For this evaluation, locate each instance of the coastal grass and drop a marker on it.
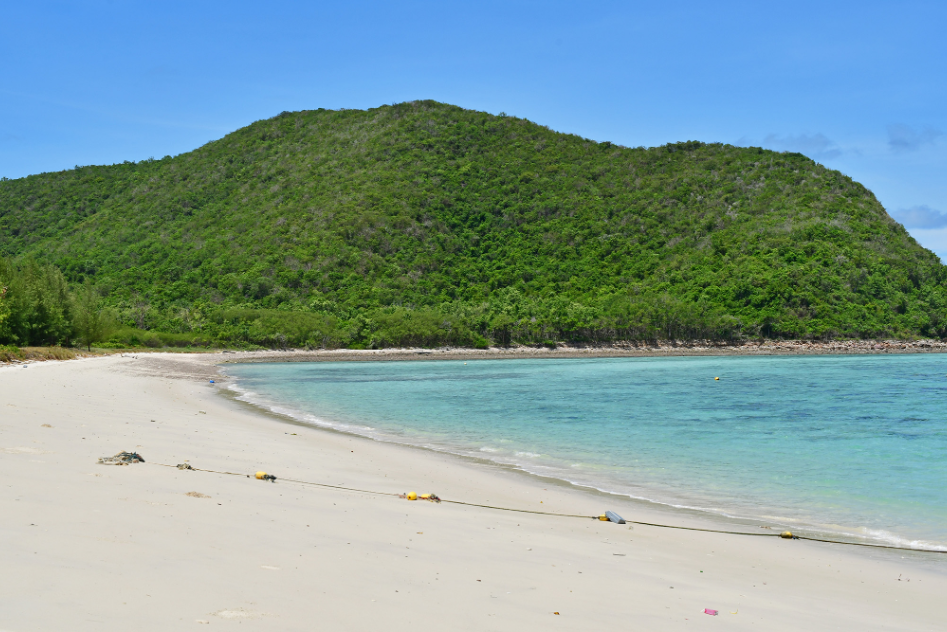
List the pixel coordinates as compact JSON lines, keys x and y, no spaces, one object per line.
{"x":10,"y":353}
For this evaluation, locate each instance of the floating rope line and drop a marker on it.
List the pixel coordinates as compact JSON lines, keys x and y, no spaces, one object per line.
{"x":671,"y":526}
{"x":784,"y":534}
{"x":529,"y":511}
{"x":348,"y":489}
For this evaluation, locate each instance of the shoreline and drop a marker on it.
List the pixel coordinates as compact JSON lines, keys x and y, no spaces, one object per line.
{"x":618,"y":350}
{"x":562,"y":350}
{"x":649,"y":498}
{"x":227,"y":550}
{"x":513,"y":469}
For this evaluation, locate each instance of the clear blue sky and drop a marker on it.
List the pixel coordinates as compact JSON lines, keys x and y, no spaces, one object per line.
{"x":858,"y":86}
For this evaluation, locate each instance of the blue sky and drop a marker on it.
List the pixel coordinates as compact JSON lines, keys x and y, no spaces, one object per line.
{"x":860,"y":87}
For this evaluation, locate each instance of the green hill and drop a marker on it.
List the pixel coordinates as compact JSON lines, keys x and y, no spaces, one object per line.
{"x":423,"y":223}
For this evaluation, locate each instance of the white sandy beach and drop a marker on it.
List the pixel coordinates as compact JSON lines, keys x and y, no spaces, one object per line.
{"x":96,"y":547}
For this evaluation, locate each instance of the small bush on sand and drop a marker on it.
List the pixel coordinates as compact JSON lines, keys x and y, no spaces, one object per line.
{"x":9,"y":352}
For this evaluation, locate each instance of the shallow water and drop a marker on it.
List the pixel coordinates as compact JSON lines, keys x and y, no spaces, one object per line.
{"x":847,"y":444}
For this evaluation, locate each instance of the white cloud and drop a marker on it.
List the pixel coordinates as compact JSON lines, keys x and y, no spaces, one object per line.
{"x":817,"y":146}
{"x":902,"y":138}
{"x":921,"y":216}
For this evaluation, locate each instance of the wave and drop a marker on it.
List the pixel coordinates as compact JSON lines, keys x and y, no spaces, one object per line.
{"x":541,"y":465}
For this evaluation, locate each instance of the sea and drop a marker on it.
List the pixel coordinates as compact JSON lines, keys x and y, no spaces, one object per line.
{"x":846,"y":446}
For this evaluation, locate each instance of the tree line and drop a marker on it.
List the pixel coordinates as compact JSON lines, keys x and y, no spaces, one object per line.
{"x":39,"y":308}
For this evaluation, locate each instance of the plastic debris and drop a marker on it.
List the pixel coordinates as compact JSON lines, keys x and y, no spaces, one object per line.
{"x":712,"y":613}
{"x":416,"y":496}
{"x":185,"y":466}
{"x":122,"y":458}
{"x":431,"y":497}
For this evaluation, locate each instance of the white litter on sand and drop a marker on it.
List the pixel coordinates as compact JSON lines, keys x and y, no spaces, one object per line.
{"x":239,"y":613}
{"x":23,"y":451}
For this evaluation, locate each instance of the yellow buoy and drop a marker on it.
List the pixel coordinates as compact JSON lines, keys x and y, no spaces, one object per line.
{"x":260,"y":475}
{"x":716,"y":378}
{"x":603,"y":518}
{"x":412,"y":495}
{"x":425,"y":496}
{"x":786,"y":534}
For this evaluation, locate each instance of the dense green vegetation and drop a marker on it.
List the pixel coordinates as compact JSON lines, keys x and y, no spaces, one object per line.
{"x":423,"y":223}
{"x":35,"y":304}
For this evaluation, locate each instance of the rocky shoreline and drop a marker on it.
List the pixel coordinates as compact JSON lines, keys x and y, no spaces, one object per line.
{"x":626,"y":349}
{"x":609,"y":350}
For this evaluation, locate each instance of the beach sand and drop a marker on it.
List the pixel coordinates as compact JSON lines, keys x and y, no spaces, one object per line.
{"x":145,"y":547}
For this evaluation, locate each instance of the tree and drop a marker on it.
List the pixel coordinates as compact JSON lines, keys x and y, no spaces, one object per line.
{"x":4,"y":308}
{"x":35,"y":309}
{"x":92,"y":323}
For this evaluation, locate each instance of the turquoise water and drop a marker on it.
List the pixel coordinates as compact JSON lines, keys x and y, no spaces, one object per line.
{"x":850,"y":444}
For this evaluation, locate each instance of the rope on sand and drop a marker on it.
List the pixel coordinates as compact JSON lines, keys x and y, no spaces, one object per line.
{"x":783,"y":535}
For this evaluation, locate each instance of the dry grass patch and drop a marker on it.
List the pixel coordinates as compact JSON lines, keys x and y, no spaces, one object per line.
{"x":49,"y":353}
{"x":10,"y":353}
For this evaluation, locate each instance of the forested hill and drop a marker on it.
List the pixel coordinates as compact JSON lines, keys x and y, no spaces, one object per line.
{"x":433,"y":218}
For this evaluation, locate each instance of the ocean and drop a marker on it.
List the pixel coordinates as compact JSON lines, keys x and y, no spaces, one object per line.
{"x":838,"y":445}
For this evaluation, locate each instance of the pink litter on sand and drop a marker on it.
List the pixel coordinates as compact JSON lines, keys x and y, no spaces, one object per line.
{"x":712,"y":613}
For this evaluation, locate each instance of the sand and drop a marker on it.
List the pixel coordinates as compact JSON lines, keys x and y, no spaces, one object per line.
{"x":146,"y":547}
